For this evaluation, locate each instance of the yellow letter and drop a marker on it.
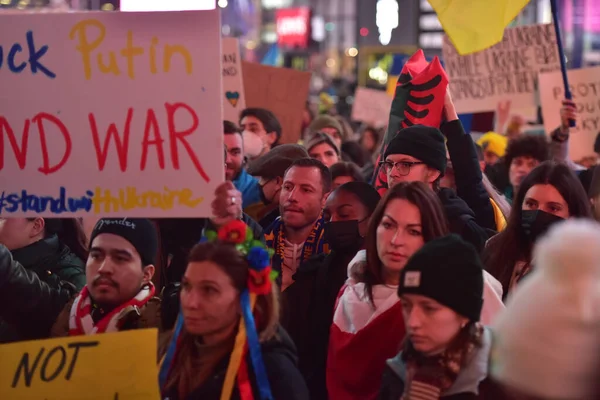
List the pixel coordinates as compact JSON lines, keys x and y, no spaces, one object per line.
{"x":129,"y":52}
{"x":153,"y":68}
{"x":112,"y":64}
{"x":107,"y":199}
{"x":170,"y":50}
{"x":84,"y":46}
{"x":185,"y":198}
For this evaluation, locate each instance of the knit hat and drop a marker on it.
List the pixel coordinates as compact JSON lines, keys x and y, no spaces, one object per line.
{"x":140,"y":232}
{"x":493,"y":142}
{"x":422,"y":142}
{"x":546,"y":343}
{"x":274,"y":163}
{"x":325,"y":121}
{"x":319,"y":138}
{"x":449,"y":271}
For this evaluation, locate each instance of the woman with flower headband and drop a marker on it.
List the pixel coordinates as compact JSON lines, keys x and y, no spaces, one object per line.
{"x":227,"y":343}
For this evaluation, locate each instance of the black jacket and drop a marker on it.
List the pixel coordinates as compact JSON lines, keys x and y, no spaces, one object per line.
{"x":307,"y":313}
{"x":279,"y":357}
{"x":29,"y":305}
{"x":469,"y":185}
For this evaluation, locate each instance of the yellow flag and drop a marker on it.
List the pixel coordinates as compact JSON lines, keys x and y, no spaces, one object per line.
{"x":110,"y":366}
{"x":475,"y":25}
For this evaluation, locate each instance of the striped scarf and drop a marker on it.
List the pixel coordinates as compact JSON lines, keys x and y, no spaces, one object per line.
{"x":81,"y":322}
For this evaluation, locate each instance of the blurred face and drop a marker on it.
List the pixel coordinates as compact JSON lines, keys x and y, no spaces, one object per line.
{"x":408,"y":169}
{"x":324,"y":153}
{"x":520,"y":167}
{"x":368,"y":141}
{"x":16,"y":233}
{"x":235,"y":155}
{"x":340,"y":180}
{"x":399,"y":236}
{"x":430,"y":325}
{"x":302,"y":197}
{"x":253,"y":125}
{"x":344,"y":206}
{"x":114,"y":270}
{"x":334,"y":134}
{"x":490,"y":158}
{"x":546,"y":198}
{"x":209,"y":301}
{"x":271,"y":189}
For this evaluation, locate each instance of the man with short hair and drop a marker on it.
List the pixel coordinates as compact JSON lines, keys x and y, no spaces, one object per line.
{"x":235,"y":169}
{"x":261,"y":131}
{"x":119,"y":294}
{"x":270,"y":170}
{"x":322,"y":147}
{"x":298,"y":233}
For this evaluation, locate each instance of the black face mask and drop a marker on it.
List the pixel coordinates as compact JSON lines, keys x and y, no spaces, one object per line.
{"x":536,"y":223}
{"x":343,"y":235}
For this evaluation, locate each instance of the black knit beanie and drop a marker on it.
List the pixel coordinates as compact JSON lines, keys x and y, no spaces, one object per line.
{"x":449,"y":271}
{"x":140,"y":232}
{"x":421,"y":142}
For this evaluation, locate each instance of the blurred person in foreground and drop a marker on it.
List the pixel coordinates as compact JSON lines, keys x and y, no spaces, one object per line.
{"x":546,"y":343}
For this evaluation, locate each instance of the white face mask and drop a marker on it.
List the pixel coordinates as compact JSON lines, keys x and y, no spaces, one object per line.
{"x":253,"y":144}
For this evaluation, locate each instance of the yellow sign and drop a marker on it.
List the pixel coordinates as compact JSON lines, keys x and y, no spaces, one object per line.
{"x":112,"y":366}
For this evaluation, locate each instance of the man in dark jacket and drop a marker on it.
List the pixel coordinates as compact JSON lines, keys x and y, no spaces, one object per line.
{"x":28,"y":304}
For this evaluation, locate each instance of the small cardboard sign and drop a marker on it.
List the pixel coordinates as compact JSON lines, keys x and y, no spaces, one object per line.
{"x":372,"y":107}
{"x":233,"y":87}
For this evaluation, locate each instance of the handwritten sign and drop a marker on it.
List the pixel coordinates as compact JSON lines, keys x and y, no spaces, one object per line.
{"x":585,"y":87}
{"x":506,"y":71}
{"x":233,"y":87}
{"x":371,"y":106}
{"x":110,"y":114}
{"x":283,"y":91}
{"x":111,"y":366}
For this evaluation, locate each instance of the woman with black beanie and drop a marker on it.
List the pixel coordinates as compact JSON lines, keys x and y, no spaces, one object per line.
{"x":445,"y":354}
{"x":308,"y":303}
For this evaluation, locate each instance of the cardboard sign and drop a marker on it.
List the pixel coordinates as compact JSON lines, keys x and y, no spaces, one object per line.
{"x":110,"y":114}
{"x":111,"y":366}
{"x":233,"y":87}
{"x":585,"y":87}
{"x":506,"y":71}
{"x":371,"y":106}
{"x":283,"y":91}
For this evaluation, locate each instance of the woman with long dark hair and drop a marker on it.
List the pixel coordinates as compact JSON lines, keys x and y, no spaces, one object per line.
{"x":227,"y":296}
{"x":551,"y":193}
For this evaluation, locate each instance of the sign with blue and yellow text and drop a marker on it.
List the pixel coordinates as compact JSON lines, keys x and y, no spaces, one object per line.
{"x":110,"y":114}
{"x":110,"y":366}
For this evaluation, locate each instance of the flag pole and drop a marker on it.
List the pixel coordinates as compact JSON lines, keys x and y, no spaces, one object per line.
{"x":561,"y":55}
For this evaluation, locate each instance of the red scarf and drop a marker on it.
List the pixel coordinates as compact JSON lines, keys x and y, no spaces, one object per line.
{"x":81,"y":322}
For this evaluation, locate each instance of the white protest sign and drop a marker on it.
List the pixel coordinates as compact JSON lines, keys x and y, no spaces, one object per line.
{"x":233,"y":84}
{"x":110,"y":114}
{"x":585,"y":88}
{"x":506,"y":71}
{"x":371,"y":106}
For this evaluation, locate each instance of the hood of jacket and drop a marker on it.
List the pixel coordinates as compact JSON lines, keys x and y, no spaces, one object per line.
{"x":454,"y":206}
{"x":469,"y":377}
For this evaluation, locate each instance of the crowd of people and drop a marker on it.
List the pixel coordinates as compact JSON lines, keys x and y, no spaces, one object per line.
{"x":474,"y":276}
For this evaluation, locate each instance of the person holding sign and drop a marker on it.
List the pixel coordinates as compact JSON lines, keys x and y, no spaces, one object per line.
{"x":227,"y":343}
{"x":119,"y":294}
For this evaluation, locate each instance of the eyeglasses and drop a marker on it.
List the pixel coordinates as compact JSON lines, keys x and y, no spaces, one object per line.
{"x":402,"y":167}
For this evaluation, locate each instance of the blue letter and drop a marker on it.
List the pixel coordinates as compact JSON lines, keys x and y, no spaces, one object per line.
{"x":11,"y":59}
{"x":34,"y":57}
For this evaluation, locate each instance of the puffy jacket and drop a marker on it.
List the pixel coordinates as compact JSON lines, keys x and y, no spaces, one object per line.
{"x":28,"y":305}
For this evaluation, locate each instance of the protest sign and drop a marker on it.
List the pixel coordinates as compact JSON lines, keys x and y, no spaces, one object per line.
{"x":371,"y":106}
{"x":506,"y":71}
{"x":585,"y":87}
{"x":110,"y":114}
{"x":284,"y":91}
{"x":233,"y":88}
{"x":111,"y":366}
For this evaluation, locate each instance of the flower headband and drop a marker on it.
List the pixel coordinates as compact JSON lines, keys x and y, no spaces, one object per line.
{"x":260,"y":280}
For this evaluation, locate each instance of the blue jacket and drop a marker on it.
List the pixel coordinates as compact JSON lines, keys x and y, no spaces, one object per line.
{"x":248,"y":185}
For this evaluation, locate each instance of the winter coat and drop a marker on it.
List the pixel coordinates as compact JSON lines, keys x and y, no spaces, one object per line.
{"x":307,"y":313}
{"x":279,"y":357}
{"x":471,"y":383}
{"x":53,"y":262}
{"x":29,"y":305}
